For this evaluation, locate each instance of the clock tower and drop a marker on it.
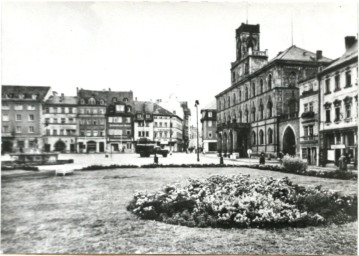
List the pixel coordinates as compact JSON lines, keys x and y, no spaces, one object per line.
{"x":247,"y":40}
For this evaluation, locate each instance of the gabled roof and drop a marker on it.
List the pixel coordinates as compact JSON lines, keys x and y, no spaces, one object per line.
{"x":107,"y":96}
{"x":350,"y":53}
{"x":211,"y":105}
{"x":295,"y":53}
{"x":66,"y":100}
{"x":158,"y":110}
{"x":13,"y":92}
{"x":141,"y":106}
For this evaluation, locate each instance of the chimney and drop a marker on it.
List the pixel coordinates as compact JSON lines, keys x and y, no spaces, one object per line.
{"x":319,"y":55}
{"x":349,"y":41}
{"x":54,"y":93}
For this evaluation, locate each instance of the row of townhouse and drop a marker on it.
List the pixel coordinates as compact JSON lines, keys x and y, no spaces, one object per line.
{"x":282,"y":105}
{"x":93,"y":121}
{"x":329,"y":110}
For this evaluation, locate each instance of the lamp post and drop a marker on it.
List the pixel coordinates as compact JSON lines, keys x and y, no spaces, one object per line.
{"x":196,"y":105}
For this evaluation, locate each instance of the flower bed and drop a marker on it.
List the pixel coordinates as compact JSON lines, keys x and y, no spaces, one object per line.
{"x":241,"y":202}
{"x":19,"y":167}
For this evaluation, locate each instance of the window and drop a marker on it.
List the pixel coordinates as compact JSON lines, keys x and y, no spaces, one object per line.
{"x":63,"y":120}
{"x":156,"y":124}
{"x":31,"y":129}
{"x":261,"y":111}
{"x":348,"y":110}
{"x":31,"y":117}
{"x":139,"y":134}
{"x":92,"y":101}
{"x":31,"y":107}
{"x":147,"y":134}
{"x":240,"y":116}
{"x":71,"y":110}
{"x":128,"y":132}
{"x":305,"y":131}
{"x":270,"y":136}
{"x":114,"y":99}
{"x":88,"y":111}
{"x":62,"y":110}
{"x":337,"y":114}
{"x":148,"y":116}
{"x":54,"y":132}
{"x":337,"y":82}
{"x":47,"y":132}
{"x":246,"y":93}
{"x":327,"y":115}
{"x":5,"y":117}
{"x":18,"y":107}
{"x":71,"y":120}
{"x":292,"y":80}
{"x":348,"y":79}
{"x":101,"y":111}
{"x":5,"y":107}
{"x":34,"y":96}
{"x":120,"y":108}
{"x":229,"y":101}
{"x":55,"y":120}
{"x":311,"y":130}
{"x":82,"y":133}
{"x":94,"y":111}
{"x":82,"y":101}
{"x":247,"y":116}
{"x":311,"y":107}
{"x":62,"y":132}
{"x":18,"y":117}
{"x":21,"y":96}
{"x":305,"y":108}
{"x":327,"y":86}
{"x":95,"y":133}
{"x":261,"y":86}
{"x":125,"y":100}
{"x":5,"y":129}
{"x":128,"y":109}
{"x":261,"y":137}
{"x":209,"y":123}
{"x":209,"y":114}
{"x":253,"y":114}
{"x":209,"y":134}
{"x":165,"y":124}
{"x":240,"y":96}
{"x":269,"y":82}
{"x":253,"y":89}
{"x":253,"y":138}
{"x":18,"y":129}
{"x":160,"y":124}
{"x":82,"y":111}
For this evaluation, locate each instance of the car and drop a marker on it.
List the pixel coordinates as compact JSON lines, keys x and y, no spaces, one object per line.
{"x":146,"y":148}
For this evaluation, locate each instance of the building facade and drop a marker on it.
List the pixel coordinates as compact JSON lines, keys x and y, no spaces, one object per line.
{"x":21,"y":118}
{"x":260,"y":109}
{"x":143,"y":120}
{"x":339,"y":106}
{"x":309,"y":120}
{"x":60,"y":124}
{"x":167,"y":129}
{"x":209,"y":127}
{"x":120,"y":130}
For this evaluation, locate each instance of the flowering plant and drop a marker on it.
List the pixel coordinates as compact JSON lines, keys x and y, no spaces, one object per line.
{"x":238,"y":201}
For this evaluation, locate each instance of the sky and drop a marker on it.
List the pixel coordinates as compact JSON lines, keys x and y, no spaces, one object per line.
{"x":155,"y":49}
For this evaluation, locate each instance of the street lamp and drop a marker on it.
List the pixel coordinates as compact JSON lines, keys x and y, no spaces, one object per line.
{"x":196,"y":105}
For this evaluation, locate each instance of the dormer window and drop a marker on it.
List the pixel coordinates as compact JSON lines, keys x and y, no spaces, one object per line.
{"x":139,"y":116}
{"x":209,"y":114}
{"x":128,"y":109}
{"x":34,"y":96}
{"x":10,"y":95}
{"x":114,"y":99}
{"x":125,"y":100}
{"x":120,"y":108}
{"x":92,"y":101}
{"x":82,"y":101}
{"x":102,"y":102}
{"x":21,"y":96}
{"x":148,"y":116}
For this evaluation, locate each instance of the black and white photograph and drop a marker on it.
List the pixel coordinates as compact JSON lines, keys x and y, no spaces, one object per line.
{"x":195,"y":127}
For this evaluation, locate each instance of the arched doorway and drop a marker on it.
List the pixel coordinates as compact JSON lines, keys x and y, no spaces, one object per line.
{"x":219,"y":142}
{"x":289,"y":144}
{"x":230,"y":142}
{"x":60,"y":146}
{"x":91,"y":146}
{"x":224,"y":143}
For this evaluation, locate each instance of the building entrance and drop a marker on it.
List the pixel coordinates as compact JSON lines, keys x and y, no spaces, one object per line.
{"x":289,"y":142}
{"x":60,"y":146}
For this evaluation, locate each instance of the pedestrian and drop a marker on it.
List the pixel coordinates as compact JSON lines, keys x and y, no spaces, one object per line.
{"x":262,"y":159}
{"x":280,"y":157}
{"x":155,"y":159}
{"x":249,"y":152}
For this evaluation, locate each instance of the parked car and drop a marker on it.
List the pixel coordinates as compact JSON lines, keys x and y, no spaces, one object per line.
{"x":145,"y":148}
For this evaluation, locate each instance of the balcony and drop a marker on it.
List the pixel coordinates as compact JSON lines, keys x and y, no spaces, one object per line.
{"x":308,"y":114}
{"x":288,"y":116}
{"x":309,"y":139}
{"x":308,"y":93}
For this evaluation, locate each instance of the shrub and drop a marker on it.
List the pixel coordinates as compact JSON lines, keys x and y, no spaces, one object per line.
{"x":294,"y":164}
{"x":241,"y":202}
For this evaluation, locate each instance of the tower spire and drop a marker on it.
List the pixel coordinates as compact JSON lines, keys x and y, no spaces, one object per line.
{"x":247,"y":7}
{"x":291,"y":24}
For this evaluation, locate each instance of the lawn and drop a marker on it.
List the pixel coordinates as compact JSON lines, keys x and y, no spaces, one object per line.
{"x":86,"y":213}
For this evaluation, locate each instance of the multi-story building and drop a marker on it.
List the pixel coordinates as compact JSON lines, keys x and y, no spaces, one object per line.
{"x":167,"y":129}
{"x":309,"y":117}
{"x":21,"y":117}
{"x":92,"y":106}
{"x":339,"y":106}
{"x":143,"y":120}
{"x":209,"y":127}
{"x":60,"y":123}
{"x":181,"y":109}
{"x":120,"y":129}
{"x":260,"y":109}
